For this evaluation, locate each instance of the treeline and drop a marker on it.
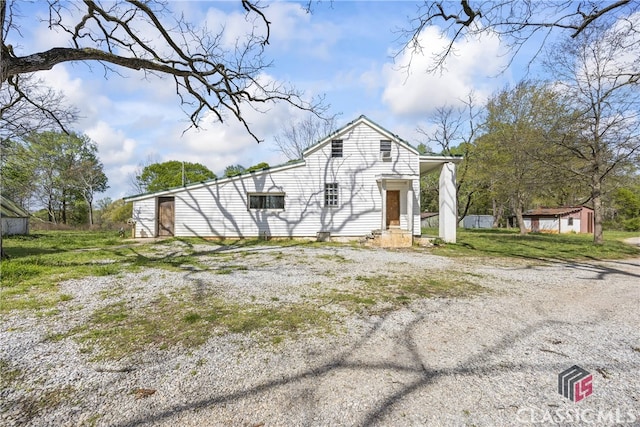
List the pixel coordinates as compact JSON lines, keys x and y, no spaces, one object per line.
{"x":57,"y":172}
{"x":532,"y":146}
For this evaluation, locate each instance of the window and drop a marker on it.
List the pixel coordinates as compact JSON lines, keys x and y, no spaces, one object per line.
{"x":266,"y":201}
{"x":331,"y":194}
{"x":385,"y":149}
{"x":570,"y":221}
{"x":336,"y":148}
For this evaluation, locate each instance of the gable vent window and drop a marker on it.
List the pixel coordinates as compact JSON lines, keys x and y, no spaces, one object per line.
{"x":336,"y":148}
{"x":266,"y":201}
{"x":331,"y":194}
{"x":385,"y":149}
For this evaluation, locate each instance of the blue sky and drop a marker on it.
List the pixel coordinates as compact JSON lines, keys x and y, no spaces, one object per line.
{"x":344,"y":50}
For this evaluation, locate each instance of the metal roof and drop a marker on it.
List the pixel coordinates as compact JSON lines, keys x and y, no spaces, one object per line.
{"x":10,"y":209}
{"x":566,"y":210}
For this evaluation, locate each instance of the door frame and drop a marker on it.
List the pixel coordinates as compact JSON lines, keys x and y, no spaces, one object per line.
{"x":393,"y":211}
{"x":159,"y":224}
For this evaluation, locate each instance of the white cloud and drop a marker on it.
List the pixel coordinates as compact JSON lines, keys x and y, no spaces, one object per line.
{"x":411,"y":91}
{"x":114,"y":147}
{"x":217,"y":145}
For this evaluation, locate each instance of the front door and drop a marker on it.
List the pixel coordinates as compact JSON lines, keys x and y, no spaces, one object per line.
{"x":393,"y":208}
{"x":165,"y":216}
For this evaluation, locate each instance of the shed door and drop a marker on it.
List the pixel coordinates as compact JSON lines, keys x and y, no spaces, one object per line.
{"x":165,"y":216}
{"x":393,"y":208}
{"x":535,"y":225}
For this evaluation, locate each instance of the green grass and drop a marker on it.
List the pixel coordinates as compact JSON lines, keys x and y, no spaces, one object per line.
{"x":566,"y":247}
{"x":381,"y":293}
{"x":116,"y":331}
{"x":39,"y":262}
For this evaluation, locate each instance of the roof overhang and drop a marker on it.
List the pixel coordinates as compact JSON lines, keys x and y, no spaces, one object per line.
{"x":429,"y":164}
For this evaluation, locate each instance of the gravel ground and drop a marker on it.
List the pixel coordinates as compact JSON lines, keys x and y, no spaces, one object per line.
{"x":485,"y":360}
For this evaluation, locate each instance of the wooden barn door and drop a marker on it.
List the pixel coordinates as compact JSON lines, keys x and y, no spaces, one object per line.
{"x":393,"y":208}
{"x":166,"y":208}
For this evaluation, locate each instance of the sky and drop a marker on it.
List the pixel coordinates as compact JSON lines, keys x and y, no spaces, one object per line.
{"x":345,"y":51}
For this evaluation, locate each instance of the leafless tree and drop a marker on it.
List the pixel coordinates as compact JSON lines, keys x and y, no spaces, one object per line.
{"x":298,"y":136}
{"x":209,"y":76}
{"x":454,"y":130}
{"x":516,"y":22}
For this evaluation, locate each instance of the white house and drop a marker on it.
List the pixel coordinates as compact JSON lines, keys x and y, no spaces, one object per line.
{"x":359,"y":181}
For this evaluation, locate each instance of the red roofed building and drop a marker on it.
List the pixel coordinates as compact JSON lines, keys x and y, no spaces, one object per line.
{"x":568,"y":219}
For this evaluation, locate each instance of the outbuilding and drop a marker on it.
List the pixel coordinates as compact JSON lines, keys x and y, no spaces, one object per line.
{"x":14,"y":219}
{"x":567,"y":219}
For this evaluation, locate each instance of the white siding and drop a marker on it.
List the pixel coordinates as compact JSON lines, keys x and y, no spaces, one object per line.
{"x":11,"y":226}
{"x":566,"y":228}
{"x":220,"y":209}
{"x":144,"y":214}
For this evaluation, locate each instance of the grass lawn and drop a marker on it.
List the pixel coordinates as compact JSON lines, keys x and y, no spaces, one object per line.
{"x":509,"y":243}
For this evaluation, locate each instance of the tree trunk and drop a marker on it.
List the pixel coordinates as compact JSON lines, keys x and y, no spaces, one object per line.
{"x":90,"y":214}
{"x":517,"y":208}
{"x":64,"y":208}
{"x":466,"y":207}
{"x":596,"y":196}
{"x":498,"y":211}
{"x":50,"y":215}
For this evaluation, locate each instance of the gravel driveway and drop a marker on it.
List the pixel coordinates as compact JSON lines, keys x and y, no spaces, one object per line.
{"x":486,"y":359}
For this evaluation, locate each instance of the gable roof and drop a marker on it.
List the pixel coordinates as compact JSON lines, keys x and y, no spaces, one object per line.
{"x":296,"y":163}
{"x":9,"y":209}
{"x":561,"y":211}
{"x":346,"y":128}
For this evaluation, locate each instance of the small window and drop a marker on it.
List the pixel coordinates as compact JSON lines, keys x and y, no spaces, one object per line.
{"x":385,"y":149}
{"x":331,"y":194}
{"x":266,"y":201}
{"x":336,"y":148}
{"x":570,"y":221}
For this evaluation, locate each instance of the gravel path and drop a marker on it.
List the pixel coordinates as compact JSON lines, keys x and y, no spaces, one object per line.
{"x":485,"y":360}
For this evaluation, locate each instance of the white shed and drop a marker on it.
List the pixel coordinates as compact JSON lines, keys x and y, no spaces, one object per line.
{"x":14,"y":219}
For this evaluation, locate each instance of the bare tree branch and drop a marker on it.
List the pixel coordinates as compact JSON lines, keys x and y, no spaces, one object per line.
{"x":516,"y":22}
{"x":209,"y":75}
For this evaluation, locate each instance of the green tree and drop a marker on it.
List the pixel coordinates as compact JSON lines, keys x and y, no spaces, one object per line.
{"x":170,"y":174}
{"x":519,"y":122}
{"x":626,"y":202}
{"x":233,"y":170}
{"x":114,"y":213}
{"x":258,"y":167}
{"x":453,"y":130}
{"x":598,"y":71}
{"x":62,"y":169}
